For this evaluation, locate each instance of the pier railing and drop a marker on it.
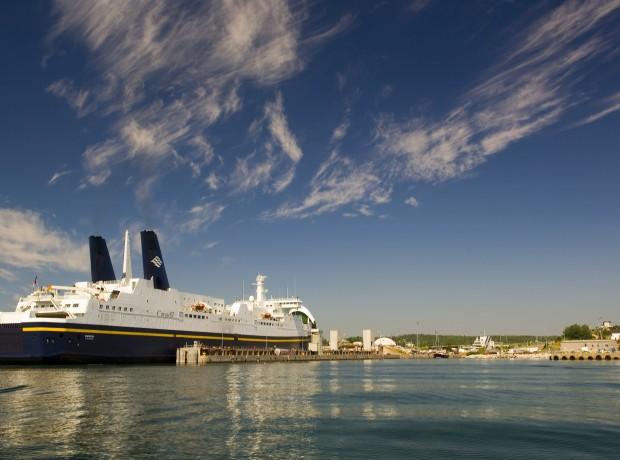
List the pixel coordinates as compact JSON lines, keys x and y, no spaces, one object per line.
{"x":198,"y":354}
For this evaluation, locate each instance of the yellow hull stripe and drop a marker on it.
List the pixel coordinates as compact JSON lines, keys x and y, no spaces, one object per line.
{"x":95,"y":331}
{"x":207,"y":337}
{"x":258,"y":339}
{"x":157,"y":334}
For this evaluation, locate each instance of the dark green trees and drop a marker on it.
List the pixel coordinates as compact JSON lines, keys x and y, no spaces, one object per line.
{"x":577,"y":332}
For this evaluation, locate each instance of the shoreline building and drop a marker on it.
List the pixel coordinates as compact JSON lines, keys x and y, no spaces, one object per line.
{"x":333,"y":340}
{"x":586,"y":346}
{"x":367,"y":340}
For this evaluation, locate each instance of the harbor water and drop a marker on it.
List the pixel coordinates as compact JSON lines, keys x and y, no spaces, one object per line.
{"x":343,"y":409}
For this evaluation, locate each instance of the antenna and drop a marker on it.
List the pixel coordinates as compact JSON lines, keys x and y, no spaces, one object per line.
{"x":243,"y":289}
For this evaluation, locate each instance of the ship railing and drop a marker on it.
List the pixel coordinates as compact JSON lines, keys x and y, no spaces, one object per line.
{"x":60,"y":308}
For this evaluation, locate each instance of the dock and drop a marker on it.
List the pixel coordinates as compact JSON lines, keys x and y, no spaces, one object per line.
{"x":199,"y":354}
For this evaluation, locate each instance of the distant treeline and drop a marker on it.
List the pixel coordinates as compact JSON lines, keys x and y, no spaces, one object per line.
{"x":429,"y":340}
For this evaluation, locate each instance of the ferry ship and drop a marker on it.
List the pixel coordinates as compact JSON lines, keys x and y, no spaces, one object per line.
{"x":132,"y":320}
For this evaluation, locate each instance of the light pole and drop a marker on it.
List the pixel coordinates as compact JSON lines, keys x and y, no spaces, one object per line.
{"x":417,"y":336}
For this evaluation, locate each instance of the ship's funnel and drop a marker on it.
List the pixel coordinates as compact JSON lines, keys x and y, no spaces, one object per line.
{"x":100,"y":264}
{"x":153,"y":261}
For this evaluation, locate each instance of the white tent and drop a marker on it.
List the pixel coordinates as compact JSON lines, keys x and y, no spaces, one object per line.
{"x":384,"y":342}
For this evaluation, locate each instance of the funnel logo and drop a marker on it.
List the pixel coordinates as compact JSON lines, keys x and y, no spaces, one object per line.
{"x":157,"y":261}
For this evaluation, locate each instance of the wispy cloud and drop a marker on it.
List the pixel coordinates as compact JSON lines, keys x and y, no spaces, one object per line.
{"x":530,"y":89}
{"x":412,"y":201}
{"x":213,"y":181}
{"x":415,"y":6}
{"x":272,"y":166}
{"x":201,"y":216}
{"x":7,"y":275}
{"x":337,"y":183}
{"x":57,"y":175}
{"x":79,"y":100}
{"x":537,"y":82}
{"x":28,"y":242}
{"x":211,"y":244}
{"x":171,"y":69}
{"x":611,"y":104}
{"x":278,"y":127}
{"x":341,"y":130}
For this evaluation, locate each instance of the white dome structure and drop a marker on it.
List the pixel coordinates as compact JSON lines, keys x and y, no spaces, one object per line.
{"x":384,"y":342}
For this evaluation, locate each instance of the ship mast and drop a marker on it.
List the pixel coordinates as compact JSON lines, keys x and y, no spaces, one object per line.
{"x":127,"y":258}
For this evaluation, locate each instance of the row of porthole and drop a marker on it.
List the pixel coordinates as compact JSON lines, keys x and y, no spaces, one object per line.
{"x":188,"y":315}
{"x":107,"y":307}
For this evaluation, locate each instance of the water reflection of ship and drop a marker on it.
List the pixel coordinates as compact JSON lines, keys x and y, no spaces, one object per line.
{"x":255,"y":404}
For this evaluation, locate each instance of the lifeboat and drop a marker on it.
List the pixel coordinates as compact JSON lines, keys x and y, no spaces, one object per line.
{"x":199,"y":306}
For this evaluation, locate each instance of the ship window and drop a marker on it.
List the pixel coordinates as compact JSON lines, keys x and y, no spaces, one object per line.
{"x":125,"y":309}
{"x":113,"y":307}
{"x":130,"y":309}
{"x":75,"y":305}
{"x":107,"y":307}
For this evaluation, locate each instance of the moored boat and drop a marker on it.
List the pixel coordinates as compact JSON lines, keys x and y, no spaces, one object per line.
{"x":142,"y":319}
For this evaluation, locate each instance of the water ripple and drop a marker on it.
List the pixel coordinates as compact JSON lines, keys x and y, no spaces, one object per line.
{"x":388,"y":409}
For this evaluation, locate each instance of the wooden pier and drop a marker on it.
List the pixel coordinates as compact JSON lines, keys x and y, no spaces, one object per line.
{"x":198,"y":354}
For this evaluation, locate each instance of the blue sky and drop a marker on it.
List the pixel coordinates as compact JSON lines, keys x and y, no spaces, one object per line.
{"x":452,"y":164}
